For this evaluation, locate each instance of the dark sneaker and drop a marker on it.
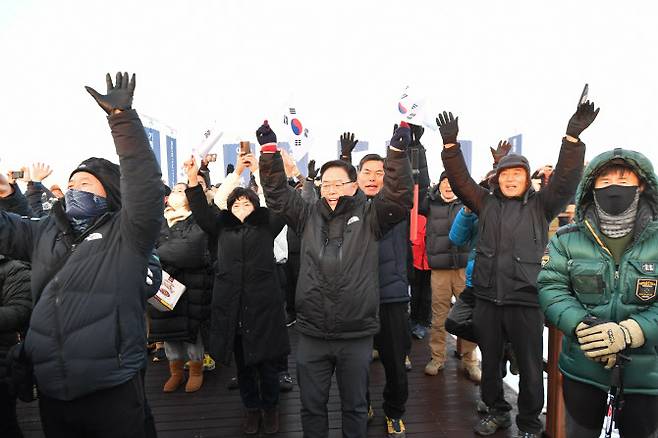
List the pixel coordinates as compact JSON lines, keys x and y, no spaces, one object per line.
{"x":482,"y":407}
{"x":491,"y":423}
{"x":232,"y":384}
{"x":251,"y":421}
{"x":528,"y":435}
{"x":159,"y":355}
{"x":419,"y":332}
{"x":395,"y":428}
{"x":285,"y":382}
{"x":271,"y":421}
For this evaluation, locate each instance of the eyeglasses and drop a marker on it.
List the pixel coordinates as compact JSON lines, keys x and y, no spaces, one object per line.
{"x":334,"y":185}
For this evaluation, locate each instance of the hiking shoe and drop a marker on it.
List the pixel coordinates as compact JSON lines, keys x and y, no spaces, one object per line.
{"x":208,"y":363}
{"x":251,"y":421}
{"x":159,"y":355}
{"x":232,"y":384}
{"x":528,"y":435}
{"x":371,"y":413}
{"x":407,"y":363}
{"x":482,"y":407}
{"x":433,"y":367}
{"x":473,"y":372}
{"x":395,"y":428}
{"x":271,"y":421}
{"x":285,"y":382}
{"x":419,"y":332}
{"x":491,"y":423}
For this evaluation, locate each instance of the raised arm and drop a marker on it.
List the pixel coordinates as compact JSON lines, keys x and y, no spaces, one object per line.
{"x":461,"y":182}
{"x":309,"y":194}
{"x":141,"y":179}
{"x":206,"y":216}
{"x":281,"y":199}
{"x":569,"y":169}
{"x":393,"y":202}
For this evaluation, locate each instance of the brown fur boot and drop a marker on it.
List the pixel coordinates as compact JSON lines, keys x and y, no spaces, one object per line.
{"x":176,"y":378}
{"x":195,"y":380}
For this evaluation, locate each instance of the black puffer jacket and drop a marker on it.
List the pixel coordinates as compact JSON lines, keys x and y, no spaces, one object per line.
{"x":16,"y":202}
{"x":441,"y":253}
{"x":87,"y":329}
{"x":513,"y":231}
{"x":246,"y":298}
{"x":393,"y":279}
{"x":15,"y":305}
{"x":184,"y":254}
{"x":338,"y":287}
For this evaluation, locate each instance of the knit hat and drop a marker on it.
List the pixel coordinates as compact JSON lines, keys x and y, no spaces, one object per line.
{"x":109,"y":176}
{"x":513,"y":160}
{"x":443,"y":176}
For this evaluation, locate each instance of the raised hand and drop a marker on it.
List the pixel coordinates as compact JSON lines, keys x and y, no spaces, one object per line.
{"x":401,"y":137}
{"x":40,"y":171}
{"x":347,"y":144}
{"x":119,"y":96}
{"x":265,"y":135}
{"x":312,"y":171}
{"x":582,"y":118}
{"x":192,"y":170}
{"x":503,"y":149}
{"x":448,"y":127}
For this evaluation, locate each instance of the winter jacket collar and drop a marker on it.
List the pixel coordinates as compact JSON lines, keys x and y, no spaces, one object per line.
{"x":259,"y":217}
{"x":345,"y":204}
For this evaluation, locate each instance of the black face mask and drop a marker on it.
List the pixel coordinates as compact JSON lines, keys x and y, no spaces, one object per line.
{"x":615,"y":199}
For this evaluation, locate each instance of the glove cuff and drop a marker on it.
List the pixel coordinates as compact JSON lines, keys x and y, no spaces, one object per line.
{"x":634,"y":331}
{"x":268,"y":148}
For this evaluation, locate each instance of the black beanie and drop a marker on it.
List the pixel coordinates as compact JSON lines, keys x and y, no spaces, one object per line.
{"x":443,"y":176}
{"x":109,"y":176}
{"x":513,"y":160}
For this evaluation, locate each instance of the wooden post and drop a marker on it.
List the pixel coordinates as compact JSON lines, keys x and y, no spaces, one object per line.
{"x":555,"y":415}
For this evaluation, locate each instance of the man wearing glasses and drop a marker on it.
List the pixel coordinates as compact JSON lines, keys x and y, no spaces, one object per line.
{"x":337,"y":299}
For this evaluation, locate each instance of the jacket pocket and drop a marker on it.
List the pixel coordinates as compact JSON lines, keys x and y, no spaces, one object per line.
{"x":526,"y":271}
{"x":483,"y":270}
{"x":587,"y":280}
{"x":641,"y":283}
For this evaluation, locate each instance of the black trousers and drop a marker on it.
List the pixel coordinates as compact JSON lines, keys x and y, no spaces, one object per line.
{"x":523,"y":327}
{"x":259,"y":384}
{"x":393,"y":343}
{"x":421,"y":297}
{"x":317,"y":360}
{"x":8,"y":422}
{"x":113,"y":413}
{"x":292,"y":274}
{"x":586,"y":405}
{"x":149,"y":421}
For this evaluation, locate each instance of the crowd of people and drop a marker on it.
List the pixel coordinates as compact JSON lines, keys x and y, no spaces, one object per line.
{"x":346,"y":255}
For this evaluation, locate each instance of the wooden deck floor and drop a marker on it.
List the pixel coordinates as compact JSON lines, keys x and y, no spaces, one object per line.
{"x":438,"y":407}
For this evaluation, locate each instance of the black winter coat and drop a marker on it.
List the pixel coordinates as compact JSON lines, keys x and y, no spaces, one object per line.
{"x":16,"y":203}
{"x":247,"y":298}
{"x":513,"y":232}
{"x":393,"y":251}
{"x":15,"y":305}
{"x":441,"y":253}
{"x":184,"y":254}
{"x":87,"y":330}
{"x":338,"y":287}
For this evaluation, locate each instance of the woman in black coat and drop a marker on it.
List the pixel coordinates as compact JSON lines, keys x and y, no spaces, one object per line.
{"x":184,"y":254}
{"x":247,"y":316}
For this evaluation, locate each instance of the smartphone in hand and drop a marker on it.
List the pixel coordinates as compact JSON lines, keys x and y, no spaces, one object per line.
{"x":245,"y":148}
{"x":17,"y":174}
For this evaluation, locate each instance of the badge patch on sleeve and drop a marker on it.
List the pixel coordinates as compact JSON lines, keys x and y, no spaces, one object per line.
{"x":545,"y":259}
{"x":649,"y":267}
{"x":646,"y":288}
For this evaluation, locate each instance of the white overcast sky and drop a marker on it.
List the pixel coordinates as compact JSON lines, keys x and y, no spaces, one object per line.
{"x":505,"y":67}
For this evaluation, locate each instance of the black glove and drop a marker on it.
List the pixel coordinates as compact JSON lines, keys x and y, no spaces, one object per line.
{"x":401,"y":137}
{"x":503,"y":149}
{"x":347,"y":144}
{"x":416,"y":133}
{"x":448,"y":127}
{"x":265,"y":135}
{"x":582,"y":118}
{"x":119,"y":96}
{"x":312,"y":171}
{"x":230,"y":168}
